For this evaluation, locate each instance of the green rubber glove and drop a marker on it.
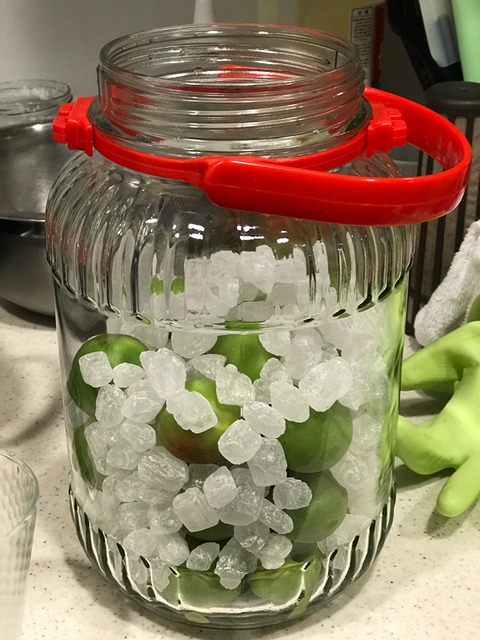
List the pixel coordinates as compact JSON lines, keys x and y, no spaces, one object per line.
{"x":451,"y":440}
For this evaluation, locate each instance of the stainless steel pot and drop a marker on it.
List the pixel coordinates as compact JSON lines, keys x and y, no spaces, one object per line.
{"x":29,"y":162}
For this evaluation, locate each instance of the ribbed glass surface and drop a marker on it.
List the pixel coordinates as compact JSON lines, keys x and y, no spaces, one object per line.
{"x":18,"y":502}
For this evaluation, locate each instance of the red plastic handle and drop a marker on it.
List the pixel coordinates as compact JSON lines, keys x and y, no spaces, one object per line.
{"x":302,"y":187}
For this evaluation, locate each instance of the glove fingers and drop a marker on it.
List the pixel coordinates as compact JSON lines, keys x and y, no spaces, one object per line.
{"x":418,"y":447}
{"x":461,"y":489}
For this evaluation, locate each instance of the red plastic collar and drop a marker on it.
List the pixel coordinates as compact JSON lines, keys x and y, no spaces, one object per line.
{"x":302,"y":187}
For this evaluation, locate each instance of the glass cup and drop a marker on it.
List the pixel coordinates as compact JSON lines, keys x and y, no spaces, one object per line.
{"x":18,"y":506}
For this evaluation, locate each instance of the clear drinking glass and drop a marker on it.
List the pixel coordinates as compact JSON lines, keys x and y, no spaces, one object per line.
{"x":18,"y":506}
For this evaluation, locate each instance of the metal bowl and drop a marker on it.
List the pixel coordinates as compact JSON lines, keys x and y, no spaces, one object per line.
{"x":29,"y":162}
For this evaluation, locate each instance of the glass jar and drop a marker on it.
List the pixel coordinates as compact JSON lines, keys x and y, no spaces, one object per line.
{"x":231,"y":378}
{"x":31,"y":101}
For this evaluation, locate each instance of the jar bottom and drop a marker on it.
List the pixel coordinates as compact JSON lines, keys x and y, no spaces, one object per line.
{"x":317,"y":580}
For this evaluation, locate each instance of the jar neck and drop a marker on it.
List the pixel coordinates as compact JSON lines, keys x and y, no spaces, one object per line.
{"x":230,"y":89}
{"x":31,"y":101}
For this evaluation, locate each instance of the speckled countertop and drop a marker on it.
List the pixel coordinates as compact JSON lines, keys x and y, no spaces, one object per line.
{"x":424,"y":585}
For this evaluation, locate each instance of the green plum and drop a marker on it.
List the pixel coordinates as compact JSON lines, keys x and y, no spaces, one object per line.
{"x":199,"y":589}
{"x":219,"y":532}
{"x":245,"y":351}
{"x":295,"y":582}
{"x":83,"y":459}
{"x":318,"y":443}
{"x":119,"y":348}
{"x":325,"y":512}
{"x":278,"y":586}
{"x":200,"y":448}
{"x":157,"y":286}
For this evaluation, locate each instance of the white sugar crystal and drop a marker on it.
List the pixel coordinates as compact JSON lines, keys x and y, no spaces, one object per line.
{"x":141,"y":542}
{"x":126,"y":487}
{"x":289,"y":401}
{"x":273,"y":553}
{"x":365,"y":502}
{"x":246,"y":506}
{"x":282,"y":295}
{"x":367,"y":431}
{"x":203,"y":556}
{"x":209,"y":364}
{"x":234,"y":387}
{"x":326,"y":383}
{"x":304,"y":353}
{"x":141,"y":386}
{"x":172,"y":549}
{"x":165,"y":371}
{"x":126,"y":374}
{"x":160,"y":467}
{"x":230,"y":583}
{"x":108,"y":405}
{"x":161,"y":575}
{"x":258,"y":268}
{"x":350,"y":527}
{"x":262,"y":390}
{"x":133,"y":515}
{"x":220,"y":488}
{"x":143,"y":404}
{"x":275,"y":518}
{"x":98,"y":440}
{"x":274,"y":371}
{"x":239,"y":443}
{"x":371,"y":382}
{"x":269,"y":465}
{"x":153,"y":493}
{"x":192,"y":411}
{"x":233,"y":563}
{"x":252,"y":537}
{"x":292,"y":494}
{"x":192,"y":508}
{"x":276,"y":342}
{"x":138,"y":571}
{"x":225,"y":262}
{"x":198,"y":473}
{"x":124,"y":458}
{"x":354,"y":472}
{"x":256,"y":311}
{"x":110,"y":482}
{"x":264,"y":419}
{"x":228,"y":289}
{"x":248,"y":292}
{"x":151,"y":336}
{"x":163,"y":519}
{"x":95,"y":369}
{"x":140,"y":436}
{"x":190,"y":344}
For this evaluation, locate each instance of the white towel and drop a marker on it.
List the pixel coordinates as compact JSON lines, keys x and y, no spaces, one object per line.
{"x":450,"y":303}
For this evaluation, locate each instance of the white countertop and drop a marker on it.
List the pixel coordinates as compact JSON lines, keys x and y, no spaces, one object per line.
{"x":424,"y":585}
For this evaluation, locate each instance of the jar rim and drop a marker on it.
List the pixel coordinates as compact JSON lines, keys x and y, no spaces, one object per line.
{"x":113,"y":52}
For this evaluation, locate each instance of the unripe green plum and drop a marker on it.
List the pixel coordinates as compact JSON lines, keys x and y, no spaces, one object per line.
{"x":245,"y":351}
{"x":118,"y":348}
{"x":201,"y":448}
{"x":319,"y":442}
{"x":325,"y":512}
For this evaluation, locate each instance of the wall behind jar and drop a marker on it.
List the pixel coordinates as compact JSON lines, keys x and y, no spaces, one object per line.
{"x":61,"y":39}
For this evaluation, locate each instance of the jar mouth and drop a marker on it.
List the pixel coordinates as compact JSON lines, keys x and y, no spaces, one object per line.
{"x":220,"y":88}
{"x":173,"y":56}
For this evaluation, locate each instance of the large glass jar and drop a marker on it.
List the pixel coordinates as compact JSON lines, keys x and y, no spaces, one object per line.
{"x":231,"y":378}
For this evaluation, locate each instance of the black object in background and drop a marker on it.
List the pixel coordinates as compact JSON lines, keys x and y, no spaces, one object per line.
{"x":405,"y":20}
